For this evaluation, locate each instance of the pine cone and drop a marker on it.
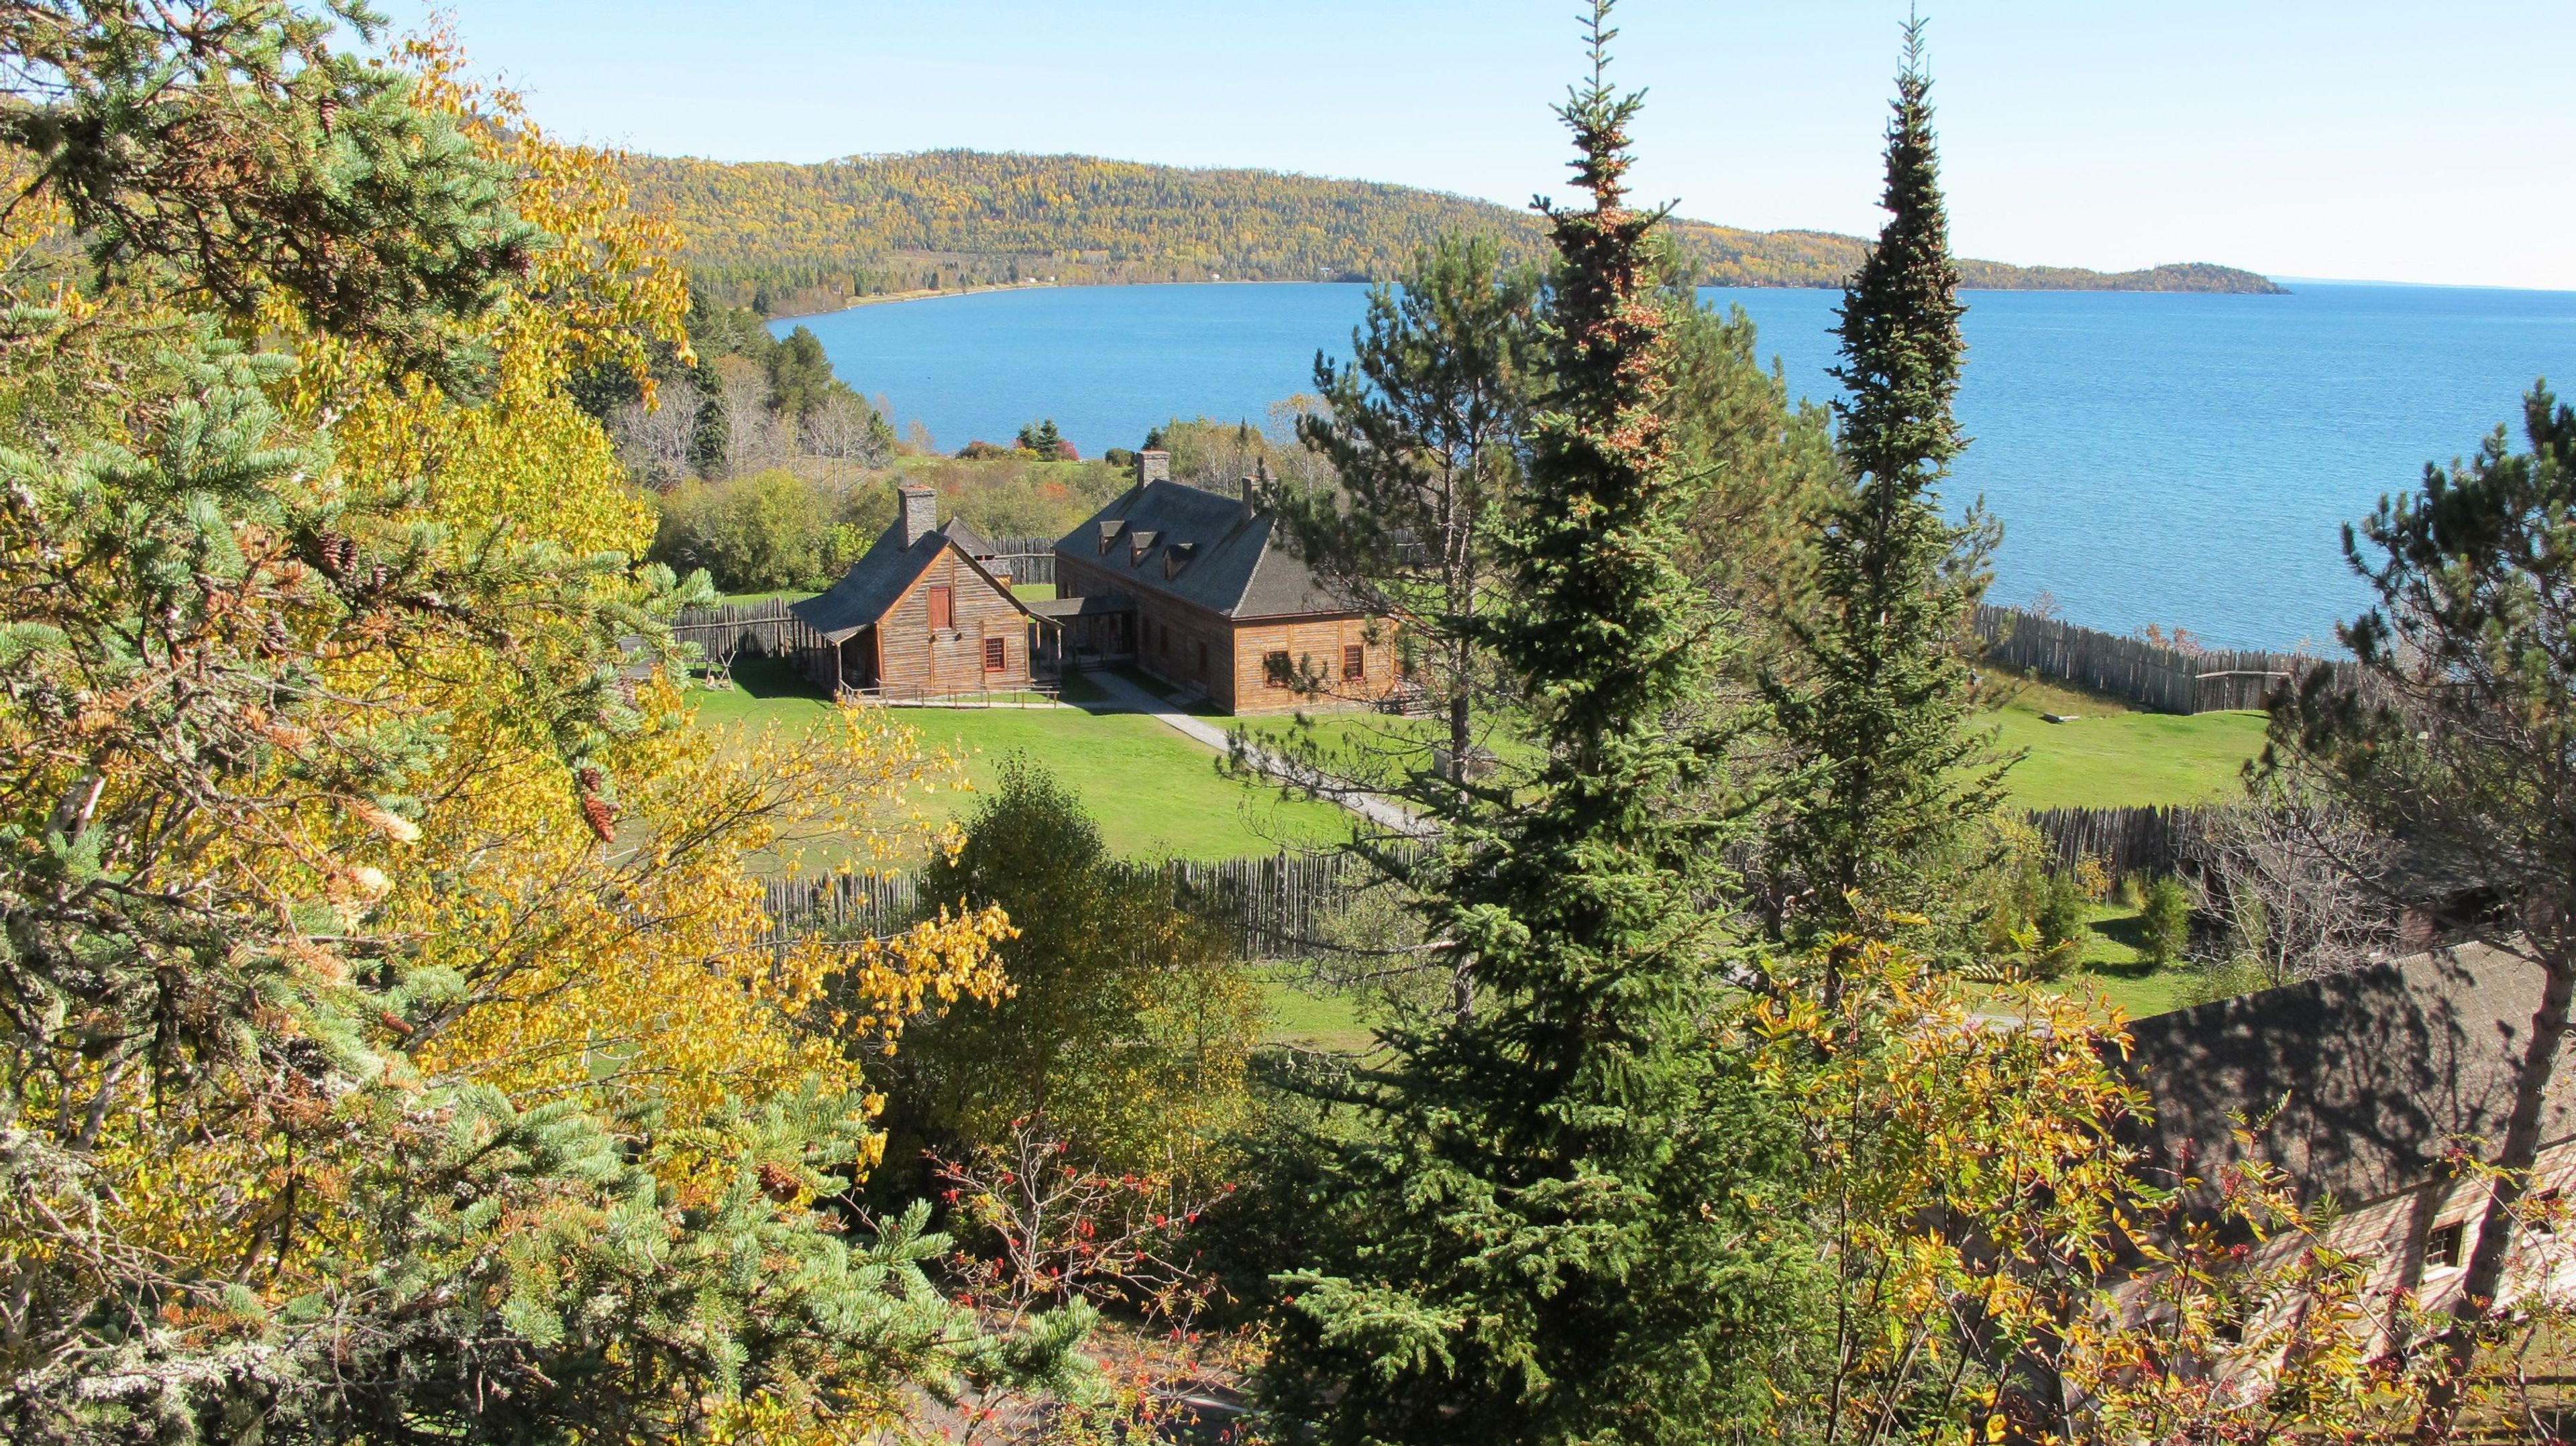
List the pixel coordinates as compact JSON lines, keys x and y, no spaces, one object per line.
{"x":777,"y":1182}
{"x":336,"y":552}
{"x":601,"y":816}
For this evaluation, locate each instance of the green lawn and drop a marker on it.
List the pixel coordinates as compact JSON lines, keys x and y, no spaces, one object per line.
{"x":1153,"y":792}
{"x":1034,"y":591}
{"x":1311,"y":1020}
{"x":2128,"y":759}
{"x":2113,"y":760}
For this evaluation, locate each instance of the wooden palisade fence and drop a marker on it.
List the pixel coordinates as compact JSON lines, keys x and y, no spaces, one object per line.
{"x":764,"y":629}
{"x":2165,"y":679}
{"x":1276,"y":904}
{"x":1031,"y":559}
{"x":2128,"y":840}
{"x":1281,"y":904}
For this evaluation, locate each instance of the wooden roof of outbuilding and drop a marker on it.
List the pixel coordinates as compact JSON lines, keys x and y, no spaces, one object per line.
{"x":1204,"y":548}
{"x":2374,"y":1072}
{"x":879,"y":580}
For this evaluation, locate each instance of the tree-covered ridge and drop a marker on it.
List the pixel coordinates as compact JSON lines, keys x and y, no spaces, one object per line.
{"x":807,"y":235}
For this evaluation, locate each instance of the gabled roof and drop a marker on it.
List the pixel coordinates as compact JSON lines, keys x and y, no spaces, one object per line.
{"x":2380,"y":1069}
{"x":1225,"y":557}
{"x":878,"y":580}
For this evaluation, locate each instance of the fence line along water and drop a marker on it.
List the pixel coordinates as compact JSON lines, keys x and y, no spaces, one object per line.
{"x":2151,"y":675}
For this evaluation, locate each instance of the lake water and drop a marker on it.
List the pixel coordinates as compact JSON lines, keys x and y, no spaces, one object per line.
{"x":2156,"y":458}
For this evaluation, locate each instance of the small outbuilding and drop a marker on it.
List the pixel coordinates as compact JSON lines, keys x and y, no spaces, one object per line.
{"x":928,"y":612}
{"x":2359,"y":1086}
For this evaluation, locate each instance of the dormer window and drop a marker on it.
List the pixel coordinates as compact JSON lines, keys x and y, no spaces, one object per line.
{"x":1109,"y":535}
{"x":1177,"y":556}
{"x":1138,"y":544}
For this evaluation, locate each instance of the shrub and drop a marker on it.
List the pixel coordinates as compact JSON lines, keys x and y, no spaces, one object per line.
{"x":2058,"y":923}
{"x":2164,"y":918}
{"x":1130,"y":1020}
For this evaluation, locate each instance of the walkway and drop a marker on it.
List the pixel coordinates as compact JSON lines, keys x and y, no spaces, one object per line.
{"x":1126,"y":697}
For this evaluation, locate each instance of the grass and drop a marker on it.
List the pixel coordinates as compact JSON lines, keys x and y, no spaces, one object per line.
{"x":1033,"y":591}
{"x":2109,"y":757}
{"x":1310,"y":1020}
{"x":2112,"y":756}
{"x":2127,"y":760}
{"x":1153,"y":792}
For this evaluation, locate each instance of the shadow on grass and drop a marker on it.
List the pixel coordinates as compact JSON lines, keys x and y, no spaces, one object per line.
{"x":772,"y":678}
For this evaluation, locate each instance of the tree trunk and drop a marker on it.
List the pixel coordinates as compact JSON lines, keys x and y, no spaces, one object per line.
{"x":2513,"y":1162}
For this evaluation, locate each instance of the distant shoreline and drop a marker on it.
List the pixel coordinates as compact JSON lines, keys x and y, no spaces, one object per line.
{"x":885,"y":298}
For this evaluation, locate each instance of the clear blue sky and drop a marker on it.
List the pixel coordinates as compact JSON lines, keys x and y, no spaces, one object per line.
{"x":2425,"y":141}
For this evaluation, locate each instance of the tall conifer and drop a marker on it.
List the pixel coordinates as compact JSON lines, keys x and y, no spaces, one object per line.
{"x":1555,"y":1232}
{"x":1879,"y":702}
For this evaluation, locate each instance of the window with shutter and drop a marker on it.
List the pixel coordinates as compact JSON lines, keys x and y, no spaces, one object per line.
{"x":943,"y":608}
{"x":1354,"y":661}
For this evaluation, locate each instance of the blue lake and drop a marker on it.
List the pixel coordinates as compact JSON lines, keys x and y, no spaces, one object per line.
{"x":2176,"y":459}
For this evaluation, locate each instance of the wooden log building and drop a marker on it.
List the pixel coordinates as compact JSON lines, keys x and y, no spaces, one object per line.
{"x":1196,"y":589}
{"x":928,"y":612}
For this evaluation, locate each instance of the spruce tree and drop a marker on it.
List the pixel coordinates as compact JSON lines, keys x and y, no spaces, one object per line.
{"x":1555,"y":1229}
{"x":1876,"y":695}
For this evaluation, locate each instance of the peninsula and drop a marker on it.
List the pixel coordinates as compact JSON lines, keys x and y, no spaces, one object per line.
{"x":812,"y":237}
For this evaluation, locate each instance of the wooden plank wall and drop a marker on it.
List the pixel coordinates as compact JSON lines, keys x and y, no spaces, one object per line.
{"x":917,"y":660}
{"x":2164,"y":679}
{"x":1031,"y":559}
{"x":2129,"y":840}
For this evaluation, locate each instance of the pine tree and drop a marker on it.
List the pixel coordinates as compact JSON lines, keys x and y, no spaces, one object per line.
{"x":711,"y":431}
{"x":1422,"y":428}
{"x":1042,"y":438}
{"x":1555,"y":1230}
{"x":1879,"y":699}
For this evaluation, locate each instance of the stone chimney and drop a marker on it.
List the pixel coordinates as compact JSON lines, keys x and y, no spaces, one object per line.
{"x":920,"y":512}
{"x":1254,"y":486}
{"x":1153,"y":467}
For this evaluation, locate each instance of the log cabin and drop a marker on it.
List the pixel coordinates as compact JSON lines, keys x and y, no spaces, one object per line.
{"x":927,"y":612}
{"x":1197,"y":589}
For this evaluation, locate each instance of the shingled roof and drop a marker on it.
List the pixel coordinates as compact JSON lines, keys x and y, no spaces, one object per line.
{"x":2375,"y":1071}
{"x":880,"y":578}
{"x":1203,"y":548}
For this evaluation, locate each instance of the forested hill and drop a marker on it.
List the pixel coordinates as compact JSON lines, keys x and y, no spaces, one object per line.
{"x":803,"y":237}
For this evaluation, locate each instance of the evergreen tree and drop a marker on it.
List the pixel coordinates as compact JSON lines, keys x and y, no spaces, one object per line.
{"x":1422,"y":429}
{"x":800,"y":376}
{"x":1042,"y":438}
{"x":1879,"y":700}
{"x":710,"y":433}
{"x":1556,"y":1229}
